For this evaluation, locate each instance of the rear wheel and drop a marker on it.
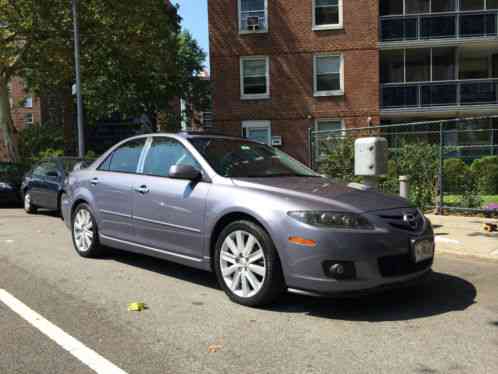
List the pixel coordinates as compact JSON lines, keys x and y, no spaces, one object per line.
{"x":29,"y":207}
{"x":85,"y":233}
{"x":247,"y":265}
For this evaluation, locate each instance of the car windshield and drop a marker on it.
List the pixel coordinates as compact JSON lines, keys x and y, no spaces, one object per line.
{"x":237,"y":158}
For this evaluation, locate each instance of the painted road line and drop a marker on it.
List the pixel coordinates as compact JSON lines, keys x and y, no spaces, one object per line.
{"x":441,"y":239}
{"x":86,"y":355}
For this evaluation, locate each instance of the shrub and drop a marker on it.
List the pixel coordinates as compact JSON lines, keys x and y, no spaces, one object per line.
{"x":456,"y":175}
{"x":485,"y":171}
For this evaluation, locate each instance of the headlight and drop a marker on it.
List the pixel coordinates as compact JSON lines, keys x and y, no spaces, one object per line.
{"x":338,"y":220}
{"x":6,"y":186}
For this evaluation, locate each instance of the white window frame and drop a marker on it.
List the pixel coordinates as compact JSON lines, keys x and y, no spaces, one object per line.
{"x":262,"y":31}
{"x":340,"y":91}
{"x":265,"y":95}
{"x":28,"y":123}
{"x":256,"y":125}
{"x":334,"y":26}
{"x":28,"y":102}
{"x":204,"y":119}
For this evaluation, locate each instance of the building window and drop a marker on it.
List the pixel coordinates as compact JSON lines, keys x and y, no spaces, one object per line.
{"x":253,"y":16}
{"x":329,"y":125}
{"x":28,"y":102}
{"x":471,"y":4}
{"x":328,"y":75}
{"x":258,"y":131}
{"x":327,"y":14}
{"x":255,"y":77}
{"x":418,"y":65}
{"x":207,"y":119}
{"x":28,"y":119}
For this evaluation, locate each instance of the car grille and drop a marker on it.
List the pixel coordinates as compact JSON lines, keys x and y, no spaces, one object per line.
{"x":406,"y":219}
{"x":399,"y":265}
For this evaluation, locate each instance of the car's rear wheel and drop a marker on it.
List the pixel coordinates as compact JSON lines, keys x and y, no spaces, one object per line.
{"x":29,"y":207}
{"x":85,"y":233}
{"x":247,"y":264}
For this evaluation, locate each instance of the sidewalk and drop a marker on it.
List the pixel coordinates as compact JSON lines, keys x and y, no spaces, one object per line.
{"x":465,"y":236}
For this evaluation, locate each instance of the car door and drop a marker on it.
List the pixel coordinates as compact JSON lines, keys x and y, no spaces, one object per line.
{"x":52,"y":183}
{"x":112,"y":188}
{"x":35,"y":184}
{"x":39,"y":184}
{"x":169,"y":213}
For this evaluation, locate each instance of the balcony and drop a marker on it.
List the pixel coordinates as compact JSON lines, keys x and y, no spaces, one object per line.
{"x":451,"y":25}
{"x":444,"y":93}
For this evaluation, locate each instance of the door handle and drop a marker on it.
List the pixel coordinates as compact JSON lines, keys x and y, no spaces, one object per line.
{"x":94,"y":181}
{"x":142,"y":190}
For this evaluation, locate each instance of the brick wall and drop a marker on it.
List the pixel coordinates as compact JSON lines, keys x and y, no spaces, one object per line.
{"x":291,"y":44}
{"x":18,"y":111}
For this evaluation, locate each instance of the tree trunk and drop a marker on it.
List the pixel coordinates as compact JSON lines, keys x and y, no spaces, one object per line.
{"x":6,"y":125}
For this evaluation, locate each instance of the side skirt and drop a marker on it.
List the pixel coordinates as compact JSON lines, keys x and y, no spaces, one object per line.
{"x":195,"y":262}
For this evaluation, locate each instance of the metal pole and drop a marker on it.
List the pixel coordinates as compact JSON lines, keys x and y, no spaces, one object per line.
{"x":440,"y":199}
{"x":79,"y":99}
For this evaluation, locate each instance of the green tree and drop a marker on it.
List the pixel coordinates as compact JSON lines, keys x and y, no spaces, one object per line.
{"x":128,"y":54}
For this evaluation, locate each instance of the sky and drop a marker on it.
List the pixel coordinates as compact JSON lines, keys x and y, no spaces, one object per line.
{"x":195,"y":19}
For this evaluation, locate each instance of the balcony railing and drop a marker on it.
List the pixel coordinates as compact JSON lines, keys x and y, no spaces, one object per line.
{"x":454,"y":25}
{"x":444,"y":93}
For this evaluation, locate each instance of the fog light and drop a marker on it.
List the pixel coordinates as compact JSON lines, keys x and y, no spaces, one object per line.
{"x":339,"y":270}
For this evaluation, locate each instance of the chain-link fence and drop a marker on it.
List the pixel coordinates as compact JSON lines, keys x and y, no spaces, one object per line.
{"x":452,"y":164}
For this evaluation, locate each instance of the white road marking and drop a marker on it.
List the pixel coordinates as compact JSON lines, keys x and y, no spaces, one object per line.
{"x":446,"y":240}
{"x":86,"y":355}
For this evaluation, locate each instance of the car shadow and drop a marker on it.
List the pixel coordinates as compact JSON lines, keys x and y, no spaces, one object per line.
{"x":166,"y":268}
{"x":439,"y":294}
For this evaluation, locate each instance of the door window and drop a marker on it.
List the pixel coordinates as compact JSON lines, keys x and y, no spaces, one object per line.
{"x":125,"y":158}
{"x":164,"y":153}
{"x":44,"y":168}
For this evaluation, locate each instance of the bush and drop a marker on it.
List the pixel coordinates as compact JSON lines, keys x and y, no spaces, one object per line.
{"x":457,"y":176}
{"x":338,"y":160}
{"x":485,"y":171}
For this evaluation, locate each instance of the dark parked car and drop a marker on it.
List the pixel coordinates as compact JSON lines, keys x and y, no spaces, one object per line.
{"x":43,"y":186}
{"x":262,"y":221}
{"x":10,"y":183}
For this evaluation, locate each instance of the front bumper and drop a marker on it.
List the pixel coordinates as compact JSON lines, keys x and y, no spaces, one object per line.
{"x":380,"y":258}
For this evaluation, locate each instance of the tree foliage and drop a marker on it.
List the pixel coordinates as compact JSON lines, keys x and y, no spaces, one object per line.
{"x":128,"y":53}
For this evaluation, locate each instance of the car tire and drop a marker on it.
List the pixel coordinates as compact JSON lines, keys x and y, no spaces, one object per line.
{"x":29,"y":207}
{"x":247,"y":264}
{"x":84,"y":232}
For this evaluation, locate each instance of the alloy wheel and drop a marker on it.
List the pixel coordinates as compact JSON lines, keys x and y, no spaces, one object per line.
{"x":242,"y":263}
{"x":83,"y":230}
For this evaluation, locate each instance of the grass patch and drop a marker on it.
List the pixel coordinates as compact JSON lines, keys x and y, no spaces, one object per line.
{"x":455,"y":200}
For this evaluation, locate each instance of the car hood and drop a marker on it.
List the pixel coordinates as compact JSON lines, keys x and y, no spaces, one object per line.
{"x":326,"y":191}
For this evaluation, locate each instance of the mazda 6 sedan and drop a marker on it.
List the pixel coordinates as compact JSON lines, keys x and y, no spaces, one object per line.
{"x":260,"y":220}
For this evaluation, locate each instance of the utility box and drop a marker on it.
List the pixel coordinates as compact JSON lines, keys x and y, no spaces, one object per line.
{"x":370,"y":157}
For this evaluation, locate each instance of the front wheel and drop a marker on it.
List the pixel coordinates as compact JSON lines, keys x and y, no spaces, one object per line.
{"x":29,"y":207}
{"x":85,"y":233}
{"x":247,"y":264}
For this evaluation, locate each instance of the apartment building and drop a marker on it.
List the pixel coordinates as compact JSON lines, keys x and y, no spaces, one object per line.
{"x":281,"y":67}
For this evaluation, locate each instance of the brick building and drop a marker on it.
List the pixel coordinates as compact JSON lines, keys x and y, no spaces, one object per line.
{"x":281,"y":67}
{"x":26,"y":110}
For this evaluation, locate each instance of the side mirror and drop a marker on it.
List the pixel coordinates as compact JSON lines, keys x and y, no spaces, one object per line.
{"x":187,"y":172}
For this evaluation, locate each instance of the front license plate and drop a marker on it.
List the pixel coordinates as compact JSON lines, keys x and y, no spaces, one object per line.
{"x":423,"y":250}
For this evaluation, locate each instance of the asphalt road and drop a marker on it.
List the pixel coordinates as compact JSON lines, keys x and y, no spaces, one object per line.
{"x":447,"y":325}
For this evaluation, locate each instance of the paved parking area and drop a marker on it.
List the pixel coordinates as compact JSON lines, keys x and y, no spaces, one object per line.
{"x":447,"y":325}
